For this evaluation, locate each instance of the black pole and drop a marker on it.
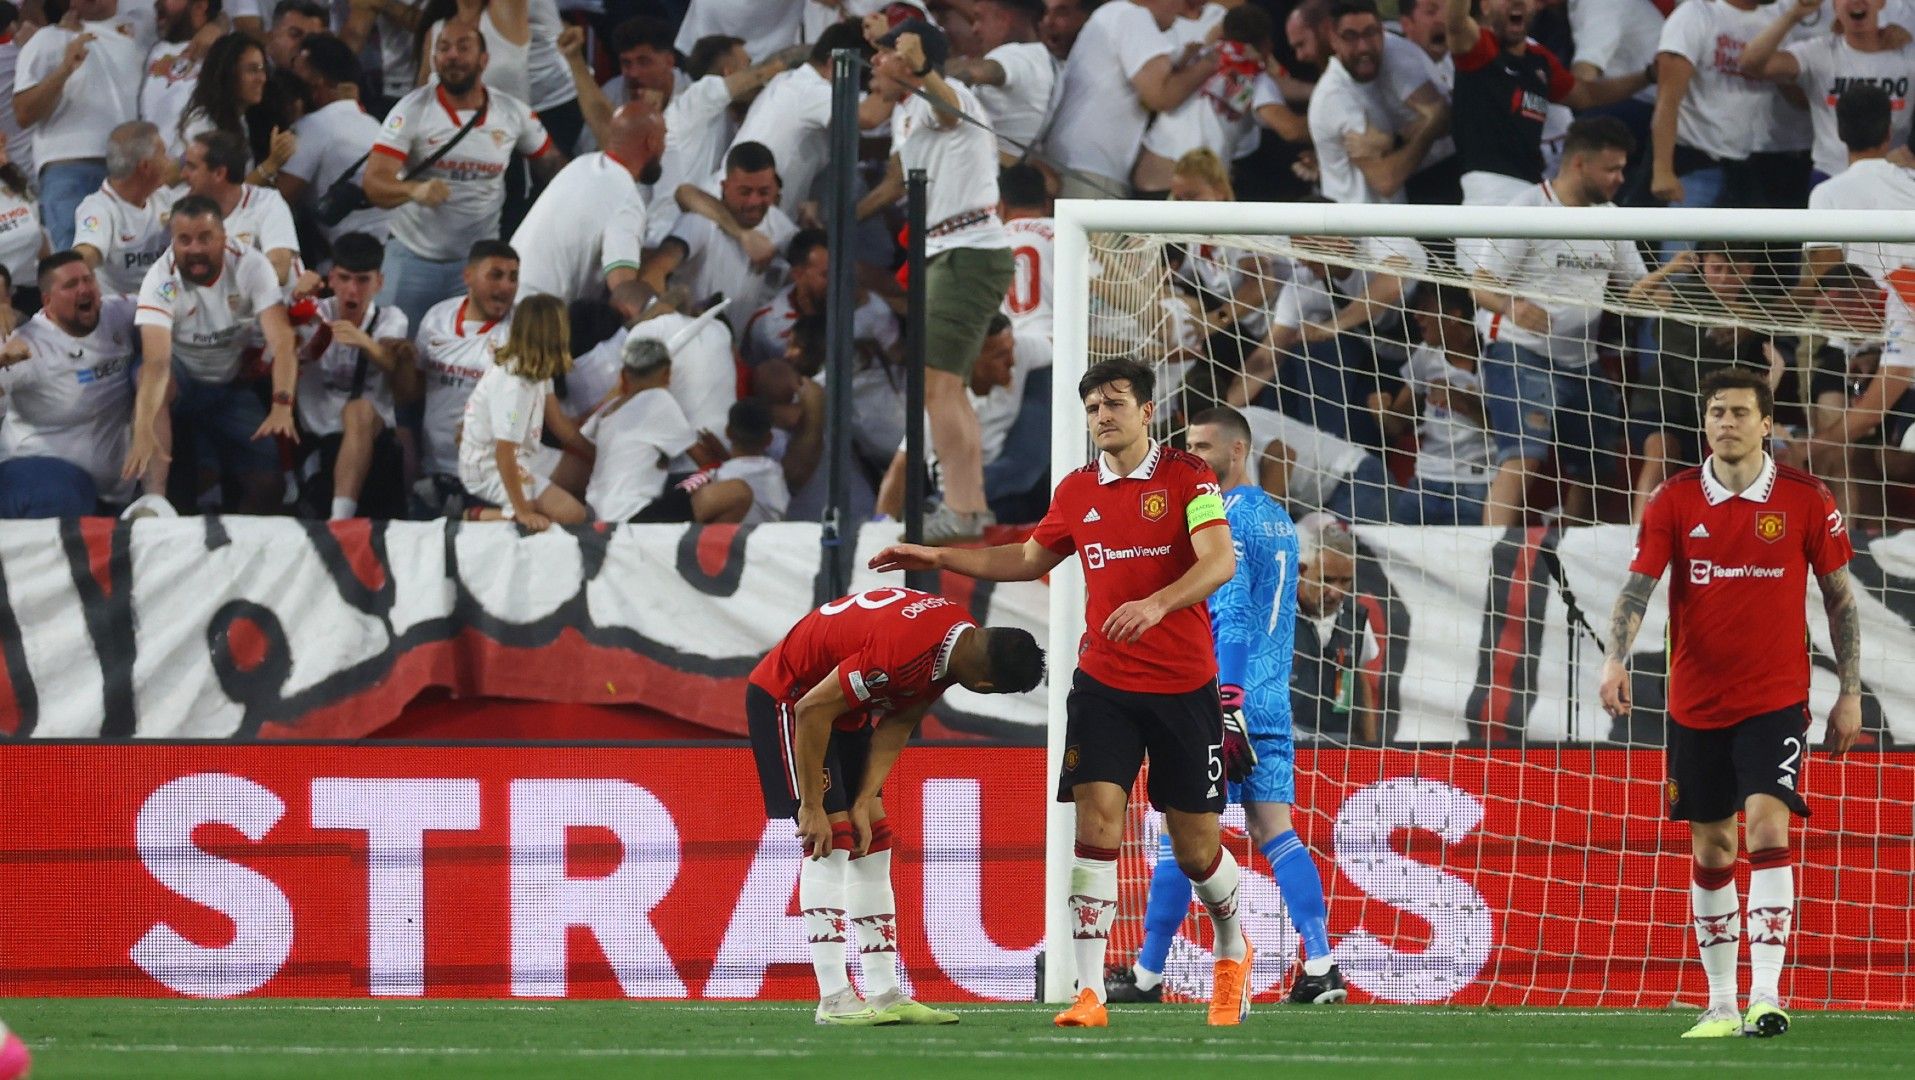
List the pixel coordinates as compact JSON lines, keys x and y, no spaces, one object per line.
{"x":914,"y":341}
{"x":839,"y":535}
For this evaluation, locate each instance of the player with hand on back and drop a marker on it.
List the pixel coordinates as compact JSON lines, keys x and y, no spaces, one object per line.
{"x":1254,"y":617}
{"x":829,"y":710}
{"x":1744,"y":533}
{"x":1148,"y":523}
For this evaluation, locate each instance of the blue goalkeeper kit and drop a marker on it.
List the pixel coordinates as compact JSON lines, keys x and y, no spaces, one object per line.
{"x":1253,"y":617}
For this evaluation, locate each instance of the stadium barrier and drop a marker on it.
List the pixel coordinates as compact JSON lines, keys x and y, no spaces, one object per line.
{"x":270,"y":628}
{"x":1537,"y":877}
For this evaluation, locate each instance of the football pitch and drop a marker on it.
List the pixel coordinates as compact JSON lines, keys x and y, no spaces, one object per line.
{"x":160,"y":1040}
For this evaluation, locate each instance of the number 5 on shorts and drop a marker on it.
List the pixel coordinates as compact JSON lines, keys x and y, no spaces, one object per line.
{"x":1215,"y":752}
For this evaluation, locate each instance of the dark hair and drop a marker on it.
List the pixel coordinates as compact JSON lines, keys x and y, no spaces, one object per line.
{"x":803,"y":243}
{"x":1015,"y":662}
{"x":1031,"y":9}
{"x":707,"y":51}
{"x":1142,"y":380}
{"x":50,"y":264}
{"x":999,"y":323}
{"x":358,"y":253}
{"x":749,"y":422}
{"x":331,"y":59}
{"x":487,"y":249}
{"x":1862,"y":117}
{"x":844,"y":34}
{"x":1598,"y":133}
{"x":1250,"y":25}
{"x":1846,"y":275}
{"x":226,"y":151}
{"x":1023,"y":185}
{"x":1231,"y":421}
{"x":1341,"y":9}
{"x":215,"y":95}
{"x":309,"y":8}
{"x":1443,"y":299}
{"x":198,"y":206}
{"x":750,"y":157}
{"x":1738,"y":378}
{"x":640,"y":30}
{"x":9,"y":14}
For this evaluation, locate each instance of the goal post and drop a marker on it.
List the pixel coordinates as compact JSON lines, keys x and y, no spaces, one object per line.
{"x":1136,"y":248}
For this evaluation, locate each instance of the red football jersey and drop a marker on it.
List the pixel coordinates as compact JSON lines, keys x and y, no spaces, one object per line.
{"x":890,"y":648}
{"x":1132,"y":534}
{"x":1738,"y":620}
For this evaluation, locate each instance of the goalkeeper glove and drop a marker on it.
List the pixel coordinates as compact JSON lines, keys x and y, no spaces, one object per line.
{"x":1239,"y":755}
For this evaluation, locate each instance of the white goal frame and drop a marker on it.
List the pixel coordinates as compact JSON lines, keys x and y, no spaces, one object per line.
{"x":1076,"y":219}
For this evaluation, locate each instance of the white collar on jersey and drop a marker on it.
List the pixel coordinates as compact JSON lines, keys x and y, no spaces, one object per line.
{"x":1757,"y":492}
{"x":1143,"y":471}
{"x":943,"y":665}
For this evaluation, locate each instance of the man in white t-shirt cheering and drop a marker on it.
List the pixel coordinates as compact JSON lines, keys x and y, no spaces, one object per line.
{"x":967,"y":253}
{"x":581,"y":239}
{"x":1015,"y":76}
{"x":439,"y":215}
{"x":1539,"y":309}
{"x":1826,"y":65}
{"x":1120,"y":71}
{"x":67,"y":377}
{"x":456,"y":343}
{"x":198,"y":307}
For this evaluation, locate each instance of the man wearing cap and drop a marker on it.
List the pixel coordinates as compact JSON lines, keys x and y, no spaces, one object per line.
{"x":966,"y":248}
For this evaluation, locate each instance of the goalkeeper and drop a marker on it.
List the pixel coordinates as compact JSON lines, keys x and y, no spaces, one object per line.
{"x":1253,"y":616}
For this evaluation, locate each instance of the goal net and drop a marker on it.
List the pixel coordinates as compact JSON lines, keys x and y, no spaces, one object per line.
{"x":1486,"y":396}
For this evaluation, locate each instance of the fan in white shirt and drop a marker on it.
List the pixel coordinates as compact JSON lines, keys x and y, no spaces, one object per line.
{"x":582,"y":239}
{"x":638,"y":436}
{"x":66,"y":376}
{"x":1027,"y":219}
{"x":173,"y":67}
{"x":730,"y":244}
{"x":334,"y":139}
{"x":457,"y":342}
{"x":792,"y":117}
{"x":699,"y":123}
{"x":22,"y":240}
{"x":1121,"y":69}
{"x":765,"y":25}
{"x":1375,"y":115}
{"x":1016,"y":76}
{"x":392,"y":24}
{"x":256,"y":217}
{"x":1826,"y":65}
{"x":355,"y":363}
{"x":1864,"y":116}
{"x":748,"y":429}
{"x":121,"y":229}
{"x":197,"y":308}
{"x":1721,"y":114}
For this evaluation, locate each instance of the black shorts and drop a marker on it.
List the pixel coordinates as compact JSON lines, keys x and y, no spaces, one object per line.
{"x":773,"y":727}
{"x":1713,"y":772}
{"x":1109,"y":732}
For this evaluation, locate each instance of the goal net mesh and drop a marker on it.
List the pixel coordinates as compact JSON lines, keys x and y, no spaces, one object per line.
{"x":1485,"y":831}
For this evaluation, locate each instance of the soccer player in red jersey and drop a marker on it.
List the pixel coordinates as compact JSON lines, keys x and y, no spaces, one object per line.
{"x":1148,"y":523}
{"x":1744,"y":534}
{"x":829,"y":710}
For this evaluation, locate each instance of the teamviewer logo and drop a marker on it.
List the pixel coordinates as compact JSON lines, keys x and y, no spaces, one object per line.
{"x":1093,"y":556}
{"x":1700,"y":571}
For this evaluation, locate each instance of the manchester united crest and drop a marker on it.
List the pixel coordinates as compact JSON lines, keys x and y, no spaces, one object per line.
{"x":1155,"y":504}
{"x":1771,"y":525}
{"x":1070,"y":758}
{"x":1670,"y":791}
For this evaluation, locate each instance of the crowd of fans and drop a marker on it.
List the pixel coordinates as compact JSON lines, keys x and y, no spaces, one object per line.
{"x":410,"y":259}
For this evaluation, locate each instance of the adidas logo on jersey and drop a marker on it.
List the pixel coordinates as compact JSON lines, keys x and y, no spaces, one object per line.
{"x":1213,"y":791}
{"x":1700,"y":532}
{"x":1092,"y":516}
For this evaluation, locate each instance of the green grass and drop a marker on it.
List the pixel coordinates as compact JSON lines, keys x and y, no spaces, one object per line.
{"x":158,"y":1040}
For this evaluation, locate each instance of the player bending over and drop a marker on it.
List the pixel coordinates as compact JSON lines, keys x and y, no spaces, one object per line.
{"x":1148,"y":523}
{"x":829,"y":709}
{"x":1743,"y":533}
{"x":1254,"y":618}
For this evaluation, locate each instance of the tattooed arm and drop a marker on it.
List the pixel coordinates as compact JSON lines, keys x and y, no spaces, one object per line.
{"x":1624,"y":621}
{"x":1845,"y":631}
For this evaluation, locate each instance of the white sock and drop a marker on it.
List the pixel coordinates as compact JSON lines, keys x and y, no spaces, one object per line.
{"x":1714,"y":907}
{"x":1219,"y":895}
{"x":1320,"y":965}
{"x":821,"y":901}
{"x":1093,"y":903}
{"x":1771,"y":914}
{"x":343,"y":508}
{"x":1146,"y":978}
{"x":874,"y":915}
